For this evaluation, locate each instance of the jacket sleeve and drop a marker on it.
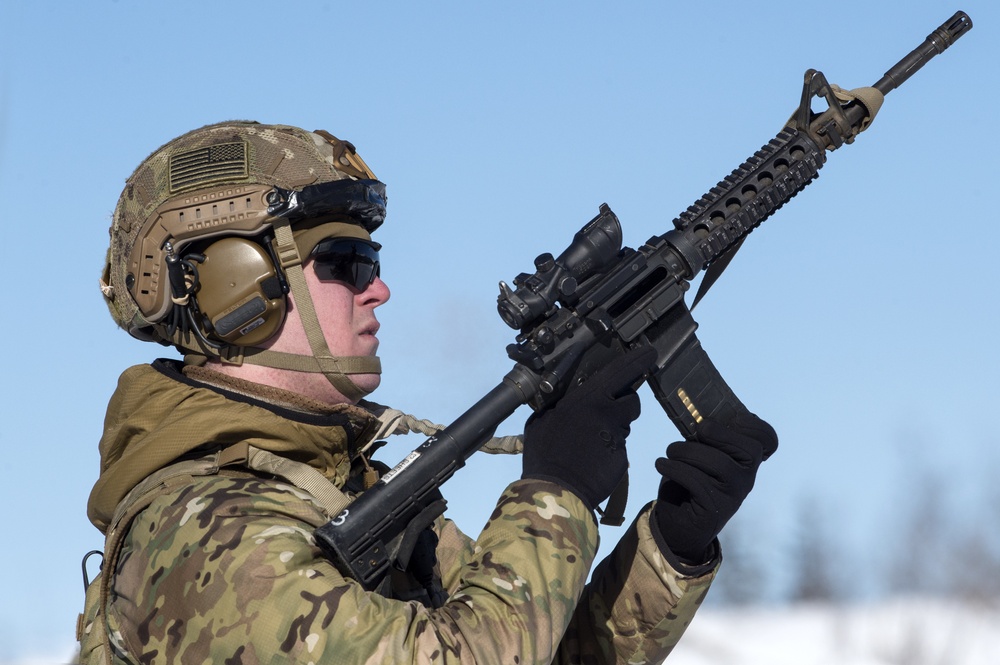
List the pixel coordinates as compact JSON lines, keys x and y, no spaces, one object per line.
{"x":637,"y":605}
{"x":225,"y":569}
{"x":635,"y":608}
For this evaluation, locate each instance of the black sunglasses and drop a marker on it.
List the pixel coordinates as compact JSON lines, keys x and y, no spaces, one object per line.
{"x":349,"y":260}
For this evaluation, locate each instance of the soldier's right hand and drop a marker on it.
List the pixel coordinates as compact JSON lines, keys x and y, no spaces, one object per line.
{"x":579,"y":442}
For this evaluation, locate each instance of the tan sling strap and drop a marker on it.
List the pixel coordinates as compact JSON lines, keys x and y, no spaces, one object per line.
{"x":869,"y":97}
{"x":394,"y":421}
{"x":326,"y":495}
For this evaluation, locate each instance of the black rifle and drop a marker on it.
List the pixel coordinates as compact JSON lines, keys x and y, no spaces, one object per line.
{"x":583,"y":308}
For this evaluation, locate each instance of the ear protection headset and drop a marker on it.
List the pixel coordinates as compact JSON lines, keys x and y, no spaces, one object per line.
{"x":242,"y":293}
{"x":223,"y":286}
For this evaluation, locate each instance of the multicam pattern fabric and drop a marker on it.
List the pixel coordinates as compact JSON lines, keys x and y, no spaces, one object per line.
{"x":223,"y":568}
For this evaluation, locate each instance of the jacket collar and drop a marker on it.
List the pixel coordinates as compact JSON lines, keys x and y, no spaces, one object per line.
{"x":157,"y":415}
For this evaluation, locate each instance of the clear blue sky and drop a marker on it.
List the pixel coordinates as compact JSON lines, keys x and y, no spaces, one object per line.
{"x":860,"y":321}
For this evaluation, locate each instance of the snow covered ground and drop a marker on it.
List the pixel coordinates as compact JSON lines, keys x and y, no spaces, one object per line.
{"x":911,"y":632}
{"x":902,"y":632}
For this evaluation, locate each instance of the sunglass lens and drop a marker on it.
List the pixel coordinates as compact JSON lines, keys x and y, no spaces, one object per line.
{"x":355,"y":262}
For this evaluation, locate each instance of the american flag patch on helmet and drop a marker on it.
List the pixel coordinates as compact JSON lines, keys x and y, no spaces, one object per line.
{"x":211,"y":163}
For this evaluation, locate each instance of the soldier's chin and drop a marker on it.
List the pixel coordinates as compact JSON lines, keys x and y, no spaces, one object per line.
{"x":367,"y":382}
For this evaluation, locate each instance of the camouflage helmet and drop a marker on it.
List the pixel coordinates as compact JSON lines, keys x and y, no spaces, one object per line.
{"x":211,"y":182}
{"x":236,"y":179}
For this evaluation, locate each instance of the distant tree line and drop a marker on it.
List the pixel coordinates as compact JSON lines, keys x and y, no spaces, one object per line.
{"x":923,"y":550}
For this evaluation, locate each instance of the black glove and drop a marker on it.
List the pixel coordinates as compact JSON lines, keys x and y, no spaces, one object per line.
{"x":706,"y":480}
{"x":579,"y":442}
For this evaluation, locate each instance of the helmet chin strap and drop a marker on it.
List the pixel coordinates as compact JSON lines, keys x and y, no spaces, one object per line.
{"x":322,"y":361}
{"x":335,"y":368}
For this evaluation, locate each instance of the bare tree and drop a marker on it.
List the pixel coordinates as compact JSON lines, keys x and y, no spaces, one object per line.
{"x":742,"y":579}
{"x":976,"y":564}
{"x":976,"y":570}
{"x":814,"y":559}
{"x":918,"y":556}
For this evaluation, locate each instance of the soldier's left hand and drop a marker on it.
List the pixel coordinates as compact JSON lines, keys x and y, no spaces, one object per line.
{"x":705,"y":481}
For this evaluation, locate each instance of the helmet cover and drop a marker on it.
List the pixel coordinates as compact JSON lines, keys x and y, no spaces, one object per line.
{"x":219,"y":180}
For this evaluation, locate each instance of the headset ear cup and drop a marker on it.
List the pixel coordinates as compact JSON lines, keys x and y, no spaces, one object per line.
{"x":240,"y":294}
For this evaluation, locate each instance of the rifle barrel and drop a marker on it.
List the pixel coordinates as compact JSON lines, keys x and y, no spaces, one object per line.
{"x":936,"y":43}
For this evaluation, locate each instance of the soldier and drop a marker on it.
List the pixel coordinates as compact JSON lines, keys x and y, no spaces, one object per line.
{"x":248,"y":248}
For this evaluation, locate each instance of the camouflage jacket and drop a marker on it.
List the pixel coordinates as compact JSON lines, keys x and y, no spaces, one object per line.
{"x":223,"y":568}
